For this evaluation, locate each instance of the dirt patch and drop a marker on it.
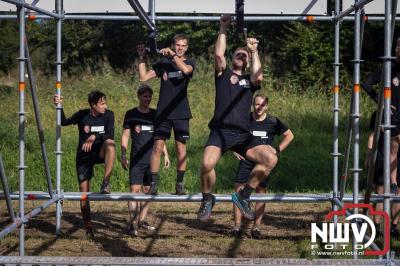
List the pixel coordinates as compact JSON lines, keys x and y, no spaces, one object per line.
{"x":286,"y":227}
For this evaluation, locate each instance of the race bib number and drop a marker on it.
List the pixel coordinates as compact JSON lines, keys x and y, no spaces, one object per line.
{"x":147,"y":128}
{"x":262,"y":134}
{"x":176,"y":74}
{"x":97,"y":129}
{"x":245,"y":83}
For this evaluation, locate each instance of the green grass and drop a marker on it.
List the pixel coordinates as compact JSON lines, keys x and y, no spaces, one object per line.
{"x":306,"y":166}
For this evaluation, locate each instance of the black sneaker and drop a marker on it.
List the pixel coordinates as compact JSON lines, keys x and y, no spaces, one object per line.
{"x":256,"y":233}
{"x":237,"y":232}
{"x":393,"y":188}
{"x":179,"y":189}
{"x":145,"y":225}
{"x":206,"y":206}
{"x":153,"y":189}
{"x":105,"y":188}
{"x":394,"y":233}
{"x":243,"y":205}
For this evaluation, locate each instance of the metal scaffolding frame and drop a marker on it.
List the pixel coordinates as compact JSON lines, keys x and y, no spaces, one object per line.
{"x":336,"y":198}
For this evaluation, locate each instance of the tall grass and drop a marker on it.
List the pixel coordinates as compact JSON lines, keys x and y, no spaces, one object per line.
{"x":306,"y":166}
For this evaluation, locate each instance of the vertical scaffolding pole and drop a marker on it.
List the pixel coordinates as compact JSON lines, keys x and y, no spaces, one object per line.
{"x":152,"y":11}
{"x":59,"y":10}
{"x":4,"y":183}
{"x":32,"y":85}
{"x":336,"y":88}
{"x":21,"y":115}
{"x":387,"y":102}
{"x":356,"y":113}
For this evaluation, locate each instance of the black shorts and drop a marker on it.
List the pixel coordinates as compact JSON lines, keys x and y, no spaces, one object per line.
{"x":139,"y":174}
{"x":85,"y":162}
{"x":243,"y":173}
{"x":163,"y":129}
{"x":231,"y":139}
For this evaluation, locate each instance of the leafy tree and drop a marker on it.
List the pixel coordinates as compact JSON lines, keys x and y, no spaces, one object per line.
{"x":9,"y":43}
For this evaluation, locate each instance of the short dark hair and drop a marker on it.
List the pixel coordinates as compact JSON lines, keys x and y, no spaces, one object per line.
{"x":95,"y":96}
{"x":262,"y":96}
{"x":144,"y":89}
{"x":180,"y":36}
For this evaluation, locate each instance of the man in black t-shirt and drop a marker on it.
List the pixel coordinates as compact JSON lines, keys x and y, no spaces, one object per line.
{"x":264,"y":128}
{"x":230,"y":124}
{"x":378,"y":178}
{"x":139,"y":126}
{"x":96,"y":146}
{"x":374,"y":79}
{"x":173,"y":111}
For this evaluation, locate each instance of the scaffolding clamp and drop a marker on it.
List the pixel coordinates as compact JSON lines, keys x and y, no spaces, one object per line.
{"x":356,"y":170}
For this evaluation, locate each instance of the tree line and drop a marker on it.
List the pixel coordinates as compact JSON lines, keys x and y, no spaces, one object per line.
{"x":301,"y":52}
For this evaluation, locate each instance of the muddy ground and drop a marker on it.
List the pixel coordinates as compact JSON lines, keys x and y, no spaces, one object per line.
{"x":286,"y":227}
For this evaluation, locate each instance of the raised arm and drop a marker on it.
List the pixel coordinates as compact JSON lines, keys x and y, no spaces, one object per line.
{"x":256,"y":75}
{"x":220,"y":45}
{"x":126,"y":133}
{"x":144,"y":75}
{"x":58,"y":99}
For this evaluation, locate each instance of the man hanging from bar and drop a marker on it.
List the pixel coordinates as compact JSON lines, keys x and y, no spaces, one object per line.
{"x":263,"y":127}
{"x":375,"y":79}
{"x":173,"y":111}
{"x":230,"y":125}
{"x":139,"y":126}
{"x":95,"y":146}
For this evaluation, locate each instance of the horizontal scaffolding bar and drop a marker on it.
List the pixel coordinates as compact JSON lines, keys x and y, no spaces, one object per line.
{"x":30,"y":215}
{"x":75,"y":196}
{"x":197,"y":18}
{"x":34,"y":8}
{"x":347,"y":12}
{"x":158,"y":261}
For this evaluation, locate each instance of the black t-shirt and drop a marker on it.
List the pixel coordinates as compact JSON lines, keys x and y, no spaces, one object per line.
{"x":101,"y":126}
{"x":142,"y":129}
{"x":267,"y":129}
{"x":173,"y":102}
{"x":375,"y":78}
{"x":233,"y":98}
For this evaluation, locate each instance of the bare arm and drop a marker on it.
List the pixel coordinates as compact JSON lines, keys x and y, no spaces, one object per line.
{"x":287,"y":137}
{"x":167,"y":162}
{"x":179,"y":61}
{"x":144,"y":75}
{"x":220,"y":45}
{"x":185,"y":68}
{"x":256,"y":75}
{"x":126,"y":133}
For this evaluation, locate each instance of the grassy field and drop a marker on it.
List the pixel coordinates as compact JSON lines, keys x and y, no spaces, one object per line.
{"x":306,"y":166}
